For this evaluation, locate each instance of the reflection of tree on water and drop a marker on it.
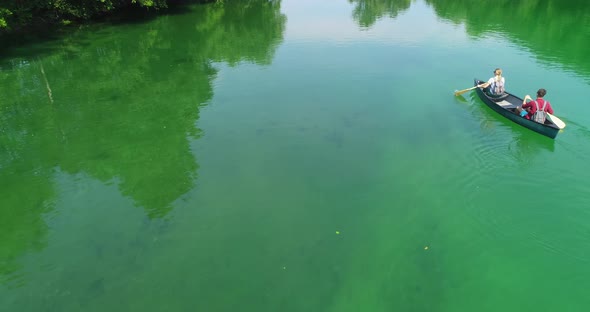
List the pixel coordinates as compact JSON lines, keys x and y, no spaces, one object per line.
{"x":367,"y":12}
{"x":125,"y":110}
{"x":22,"y":227}
{"x":546,"y":27}
{"x":549,"y":28}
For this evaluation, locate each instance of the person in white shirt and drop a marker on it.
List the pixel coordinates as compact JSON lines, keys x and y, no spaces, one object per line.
{"x":495,"y":85}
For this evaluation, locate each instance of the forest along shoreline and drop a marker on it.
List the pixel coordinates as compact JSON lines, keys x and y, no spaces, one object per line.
{"x":26,"y":20}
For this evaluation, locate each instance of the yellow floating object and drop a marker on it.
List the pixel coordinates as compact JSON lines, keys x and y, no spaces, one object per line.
{"x":425,"y":247}
{"x":337,"y":232}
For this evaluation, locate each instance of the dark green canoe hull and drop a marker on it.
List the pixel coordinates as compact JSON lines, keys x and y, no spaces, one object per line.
{"x":507,"y":108}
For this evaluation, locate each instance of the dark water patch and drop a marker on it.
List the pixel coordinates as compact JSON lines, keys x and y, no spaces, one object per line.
{"x":97,"y":287}
{"x":335,"y":138}
{"x":262,"y":131}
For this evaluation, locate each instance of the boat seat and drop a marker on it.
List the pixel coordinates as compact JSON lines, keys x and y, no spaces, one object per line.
{"x":497,"y":97}
{"x":506,"y":104}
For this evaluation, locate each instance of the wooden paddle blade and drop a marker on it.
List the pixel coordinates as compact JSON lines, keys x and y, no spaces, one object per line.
{"x":463,"y":91}
{"x":460,"y":92}
{"x":558,"y":122}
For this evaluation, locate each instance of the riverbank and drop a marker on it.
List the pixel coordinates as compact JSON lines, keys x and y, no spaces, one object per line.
{"x":41,"y":20}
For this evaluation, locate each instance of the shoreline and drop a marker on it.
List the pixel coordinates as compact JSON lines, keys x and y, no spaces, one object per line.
{"x":43,"y":28}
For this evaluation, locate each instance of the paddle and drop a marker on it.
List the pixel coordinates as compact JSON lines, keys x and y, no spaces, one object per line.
{"x":463,"y":91}
{"x":560,"y":124}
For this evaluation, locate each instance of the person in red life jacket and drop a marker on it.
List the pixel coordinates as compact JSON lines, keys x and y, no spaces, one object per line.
{"x":532,"y":106}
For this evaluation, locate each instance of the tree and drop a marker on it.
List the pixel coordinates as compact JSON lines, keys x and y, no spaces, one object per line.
{"x":16,"y":14}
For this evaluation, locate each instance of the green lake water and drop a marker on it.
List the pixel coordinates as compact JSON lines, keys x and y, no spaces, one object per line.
{"x":297,"y":155}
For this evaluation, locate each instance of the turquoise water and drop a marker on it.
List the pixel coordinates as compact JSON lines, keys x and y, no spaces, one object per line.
{"x":296,"y":156}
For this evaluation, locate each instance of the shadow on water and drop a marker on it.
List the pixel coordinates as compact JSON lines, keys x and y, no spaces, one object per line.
{"x":119,"y":107}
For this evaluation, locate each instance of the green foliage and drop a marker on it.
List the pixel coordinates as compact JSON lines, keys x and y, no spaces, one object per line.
{"x":4,"y":13}
{"x":16,"y":14}
{"x":151,"y":3}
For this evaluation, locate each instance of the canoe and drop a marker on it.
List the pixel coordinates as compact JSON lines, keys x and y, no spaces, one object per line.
{"x":506,"y":106}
